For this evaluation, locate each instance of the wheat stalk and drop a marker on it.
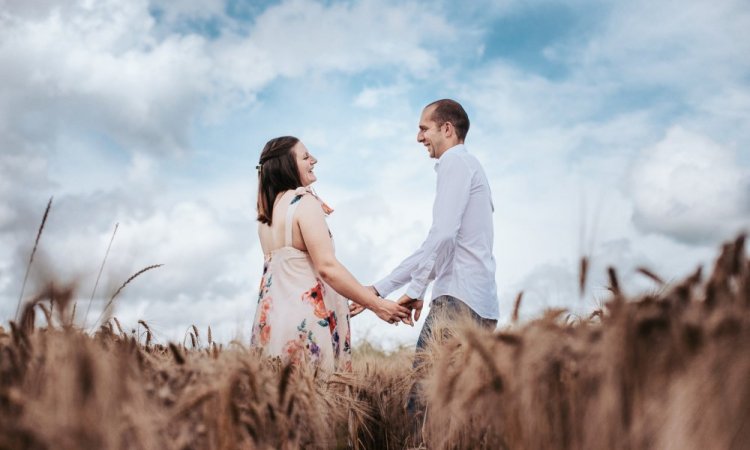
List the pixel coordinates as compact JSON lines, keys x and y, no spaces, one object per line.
{"x":132,"y":277}
{"x":47,"y":314}
{"x":644,"y":271}
{"x":101,"y":269}
{"x":178,"y":357}
{"x":149,"y":335}
{"x":119,"y":327}
{"x":517,"y":307}
{"x":31,"y":258}
{"x":614,"y":284}
{"x":197,"y":336}
{"x":583,"y":275}
{"x":143,"y":322}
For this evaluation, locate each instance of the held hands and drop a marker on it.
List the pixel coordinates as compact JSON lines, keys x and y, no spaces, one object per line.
{"x":391,"y":312}
{"x":413,"y":305}
{"x":386,"y":310}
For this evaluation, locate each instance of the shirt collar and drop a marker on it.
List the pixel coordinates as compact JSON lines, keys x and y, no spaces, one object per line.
{"x":455,"y":149}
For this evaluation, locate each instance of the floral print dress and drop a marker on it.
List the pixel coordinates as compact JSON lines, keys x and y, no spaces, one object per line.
{"x":299,"y":317}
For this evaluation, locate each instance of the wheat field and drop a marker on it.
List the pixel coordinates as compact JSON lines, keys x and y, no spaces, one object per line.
{"x":668,"y":370}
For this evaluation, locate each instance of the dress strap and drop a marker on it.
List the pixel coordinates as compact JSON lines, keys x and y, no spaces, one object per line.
{"x":290,"y":216}
{"x":298,"y":193}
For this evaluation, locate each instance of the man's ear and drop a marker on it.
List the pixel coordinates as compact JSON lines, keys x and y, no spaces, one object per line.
{"x":449,"y":129}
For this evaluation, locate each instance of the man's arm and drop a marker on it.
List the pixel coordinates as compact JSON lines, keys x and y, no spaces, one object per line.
{"x":453,"y":186}
{"x":451,"y":198}
{"x":400,"y":275}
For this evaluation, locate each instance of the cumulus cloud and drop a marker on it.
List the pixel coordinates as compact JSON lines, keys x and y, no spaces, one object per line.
{"x":142,"y":113}
{"x":647,"y":43}
{"x":548,"y":143}
{"x":89,"y":68}
{"x":302,"y":35}
{"x":690,"y":188}
{"x":372,"y":97}
{"x":99,"y":103}
{"x":106,"y":65}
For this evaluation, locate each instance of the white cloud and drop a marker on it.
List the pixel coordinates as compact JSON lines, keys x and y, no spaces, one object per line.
{"x":102,"y":105}
{"x":651,"y":42}
{"x":105,"y":65}
{"x":372,"y":97}
{"x":301,"y":35}
{"x":99,"y":69}
{"x":142,"y":169}
{"x":105,"y":92}
{"x":690,"y":188}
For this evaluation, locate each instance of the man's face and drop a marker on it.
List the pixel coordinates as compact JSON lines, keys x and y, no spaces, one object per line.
{"x":430,"y":134}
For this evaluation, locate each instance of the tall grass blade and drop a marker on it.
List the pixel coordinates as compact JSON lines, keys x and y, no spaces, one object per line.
{"x":101,"y":269}
{"x":31,"y":258}
{"x":132,"y":277}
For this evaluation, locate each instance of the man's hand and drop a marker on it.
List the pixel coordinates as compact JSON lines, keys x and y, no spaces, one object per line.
{"x":413,"y":304}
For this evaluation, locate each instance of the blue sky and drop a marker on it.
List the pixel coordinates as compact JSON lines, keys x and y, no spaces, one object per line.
{"x":615,"y":130}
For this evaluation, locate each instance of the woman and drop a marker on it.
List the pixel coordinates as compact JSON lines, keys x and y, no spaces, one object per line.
{"x":302,"y":313}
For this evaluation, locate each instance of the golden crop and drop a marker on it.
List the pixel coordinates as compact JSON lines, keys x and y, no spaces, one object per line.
{"x":668,"y":370}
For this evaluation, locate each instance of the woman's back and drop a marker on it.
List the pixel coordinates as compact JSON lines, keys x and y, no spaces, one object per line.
{"x":272,"y":237}
{"x":299,"y":317}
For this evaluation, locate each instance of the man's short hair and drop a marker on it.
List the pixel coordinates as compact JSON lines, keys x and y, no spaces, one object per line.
{"x":447,"y":110}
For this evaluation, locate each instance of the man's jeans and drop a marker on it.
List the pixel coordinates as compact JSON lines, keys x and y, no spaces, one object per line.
{"x":453,"y":311}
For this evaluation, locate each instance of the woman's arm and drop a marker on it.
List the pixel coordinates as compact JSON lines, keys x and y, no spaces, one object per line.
{"x":317,"y":240}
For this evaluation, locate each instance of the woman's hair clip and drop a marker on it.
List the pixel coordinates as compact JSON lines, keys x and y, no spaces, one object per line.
{"x":258,"y":167}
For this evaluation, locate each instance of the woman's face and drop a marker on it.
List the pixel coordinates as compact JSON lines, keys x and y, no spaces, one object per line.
{"x":305,"y":164}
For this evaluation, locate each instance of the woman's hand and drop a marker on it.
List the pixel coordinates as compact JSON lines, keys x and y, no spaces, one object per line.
{"x":355,"y":308}
{"x":391,"y":312}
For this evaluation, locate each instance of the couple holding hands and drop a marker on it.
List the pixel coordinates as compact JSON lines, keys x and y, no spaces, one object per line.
{"x":303,"y":313}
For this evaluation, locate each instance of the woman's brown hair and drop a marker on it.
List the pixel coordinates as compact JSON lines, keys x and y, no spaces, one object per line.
{"x":277,"y":172}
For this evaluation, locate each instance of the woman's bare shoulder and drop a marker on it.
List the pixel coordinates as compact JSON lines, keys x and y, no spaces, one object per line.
{"x":309,"y":204}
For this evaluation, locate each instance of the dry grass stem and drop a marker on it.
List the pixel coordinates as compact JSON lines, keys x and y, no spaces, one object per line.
{"x":517,"y":307}
{"x":583,"y":271}
{"x":99,"y":275}
{"x":649,"y":274}
{"x":31,"y":257}
{"x":132,"y":277}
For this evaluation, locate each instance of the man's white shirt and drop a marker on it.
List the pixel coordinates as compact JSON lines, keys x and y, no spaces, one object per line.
{"x":457,"y":253}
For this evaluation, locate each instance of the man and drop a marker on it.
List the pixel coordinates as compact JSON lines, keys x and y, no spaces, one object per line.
{"x":457,"y":253}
